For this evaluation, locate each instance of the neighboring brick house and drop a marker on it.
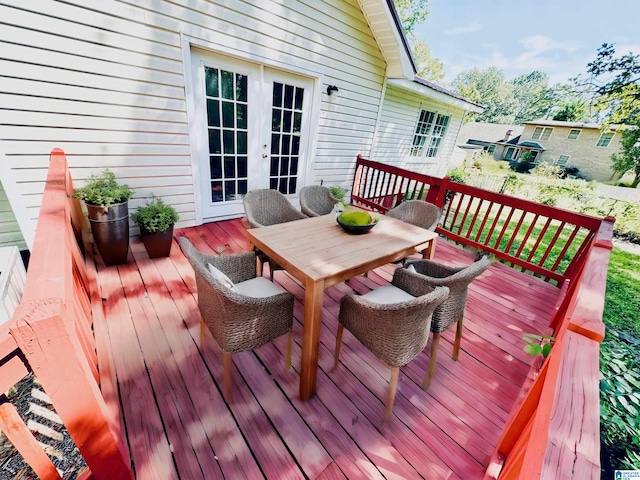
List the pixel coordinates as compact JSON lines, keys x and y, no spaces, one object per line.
{"x":571,"y":144}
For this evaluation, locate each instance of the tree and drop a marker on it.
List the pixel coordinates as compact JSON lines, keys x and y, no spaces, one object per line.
{"x":489,"y":89}
{"x":412,"y":13}
{"x":535,"y":97}
{"x":615,"y":82}
{"x":429,"y":68}
{"x":572,"y":111}
{"x":629,"y":157}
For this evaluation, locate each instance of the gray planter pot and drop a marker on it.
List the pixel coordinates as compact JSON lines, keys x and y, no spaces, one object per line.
{"x":110,"y":229}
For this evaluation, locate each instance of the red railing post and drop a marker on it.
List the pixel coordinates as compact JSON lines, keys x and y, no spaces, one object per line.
{"x":52,"y":331}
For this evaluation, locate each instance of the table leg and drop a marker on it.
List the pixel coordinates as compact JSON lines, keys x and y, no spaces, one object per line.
{"x":430,"y":251}
{"x":310,"y":338}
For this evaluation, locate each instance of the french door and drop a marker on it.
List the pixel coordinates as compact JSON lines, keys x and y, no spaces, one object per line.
{"x":253,"y":128}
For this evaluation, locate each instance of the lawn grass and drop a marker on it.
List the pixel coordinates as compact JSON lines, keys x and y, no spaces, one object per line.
{"x":622,"y":300}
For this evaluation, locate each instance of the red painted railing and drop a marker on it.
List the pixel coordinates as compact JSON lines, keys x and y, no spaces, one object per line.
{"x":523,"y":233}
{"x":553,"y":431}
{"x":50,"y":334}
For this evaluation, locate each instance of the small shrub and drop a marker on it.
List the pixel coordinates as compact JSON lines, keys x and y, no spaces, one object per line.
{"x":523,"y":164}
{"x":155,"y":216}
{"x":337,"y":193}
{"x":546,"y":170}
{"x":103,"y":190}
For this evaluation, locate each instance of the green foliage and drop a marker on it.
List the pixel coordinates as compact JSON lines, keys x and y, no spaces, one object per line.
{"x":356,"y":218}
{"x":573,"y":111}
{"x":615,"y":81}
{"x":412,"y":13}
{"x":546,"y":170}
{"x":103,"y":190}
{"x":429,"y":67}
{"x":457,"y":175}
{"x":538,"y":344}
{"x":628,"y":160}
{"x":619,"y":404}
{"x":155,"y":216}
{"x":337,"y":193}
{"x":523,"y":164}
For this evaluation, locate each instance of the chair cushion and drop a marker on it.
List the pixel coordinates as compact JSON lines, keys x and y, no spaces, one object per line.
{"x":222,"y":278}
{"x":258,"y":287}
{"x":388,"y":294}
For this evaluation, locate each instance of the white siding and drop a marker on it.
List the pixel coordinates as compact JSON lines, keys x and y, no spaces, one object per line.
{"x":397,"y":127}
{"x":105,"y":81}
{"x":10,"y":234}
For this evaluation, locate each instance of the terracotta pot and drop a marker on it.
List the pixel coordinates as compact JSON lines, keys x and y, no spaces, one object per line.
{"x":158,"y":244}
{"x":110,"y":229}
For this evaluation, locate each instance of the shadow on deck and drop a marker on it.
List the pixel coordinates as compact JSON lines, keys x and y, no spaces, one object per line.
{"x":179,"y":426}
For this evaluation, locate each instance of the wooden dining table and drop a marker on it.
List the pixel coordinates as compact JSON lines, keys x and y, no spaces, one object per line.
{"x":319,"y":253}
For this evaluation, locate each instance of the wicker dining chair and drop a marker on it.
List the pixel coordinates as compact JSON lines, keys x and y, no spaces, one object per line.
{"x":451,"y":311}
{"x":265,"y":207}
{"x":316,"y":200}
{"x":392,"y":321}
{"x":421,"y":214}
{"x":241,"y":311}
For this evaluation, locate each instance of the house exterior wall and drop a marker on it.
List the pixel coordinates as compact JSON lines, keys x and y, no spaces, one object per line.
{"x":108,"y":83}
{"x":394,"y":136}
{"x":10,"y":233}
{"x":593,"y":162}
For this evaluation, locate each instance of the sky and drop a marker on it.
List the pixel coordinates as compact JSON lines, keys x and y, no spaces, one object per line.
{"x":559,"y":37}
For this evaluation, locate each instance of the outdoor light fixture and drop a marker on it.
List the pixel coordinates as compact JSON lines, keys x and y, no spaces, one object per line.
{"x":331,"y":88}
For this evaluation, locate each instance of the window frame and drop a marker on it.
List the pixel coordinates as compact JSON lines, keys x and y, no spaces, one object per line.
{"x":608,"y":141}
{"x":574,"y":130}
{"x":558,"y":162}
{"x":541,"y":133}
{"x":515,"y":153}
{"x":431,"y":128}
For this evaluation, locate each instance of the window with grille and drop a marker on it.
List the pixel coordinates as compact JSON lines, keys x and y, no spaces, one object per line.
{"x":574,"y":133}
{"x":562,"y":160}
{"x":510,"y":153}
{"x":286,"y":125}
{"x":605,"y":139}
{"x":541,"y":133}
{"x":226,"y":94}
{"x":430,"y":130}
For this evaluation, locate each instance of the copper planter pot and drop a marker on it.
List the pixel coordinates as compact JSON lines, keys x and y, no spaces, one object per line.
{"x":110,"y":229}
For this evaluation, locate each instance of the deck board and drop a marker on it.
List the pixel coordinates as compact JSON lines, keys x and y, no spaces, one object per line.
{"x":179,"y":425}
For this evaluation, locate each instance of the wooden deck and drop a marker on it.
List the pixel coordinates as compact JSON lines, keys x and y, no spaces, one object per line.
{"x":179,"y":426}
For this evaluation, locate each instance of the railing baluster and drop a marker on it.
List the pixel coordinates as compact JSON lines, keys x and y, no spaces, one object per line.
{"x":526,"y":236}
{"x":484,"y":221}
{"x":504,"y":228}
{"x":539,"y":240}
{"x":465,"y":218}
{"x":568,"y":243}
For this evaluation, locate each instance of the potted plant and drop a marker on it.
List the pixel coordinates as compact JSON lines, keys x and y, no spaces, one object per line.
{"x":156,"y":220}
{"x":108,"y":208}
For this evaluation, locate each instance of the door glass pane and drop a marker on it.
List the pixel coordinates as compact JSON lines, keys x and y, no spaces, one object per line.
{"x":286,"y":125}
{"x":216,"y":167}
{"x":227,"y":121}
{"x":242,"y":166}
{"x":213,"y":113}
{"x":211,"y":82}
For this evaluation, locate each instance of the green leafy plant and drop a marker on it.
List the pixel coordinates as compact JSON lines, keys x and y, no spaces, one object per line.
{"x":103,"y":190}
{"x":538,"y":344}
{"x":155,"y":216}
{"x":337,"y":193}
